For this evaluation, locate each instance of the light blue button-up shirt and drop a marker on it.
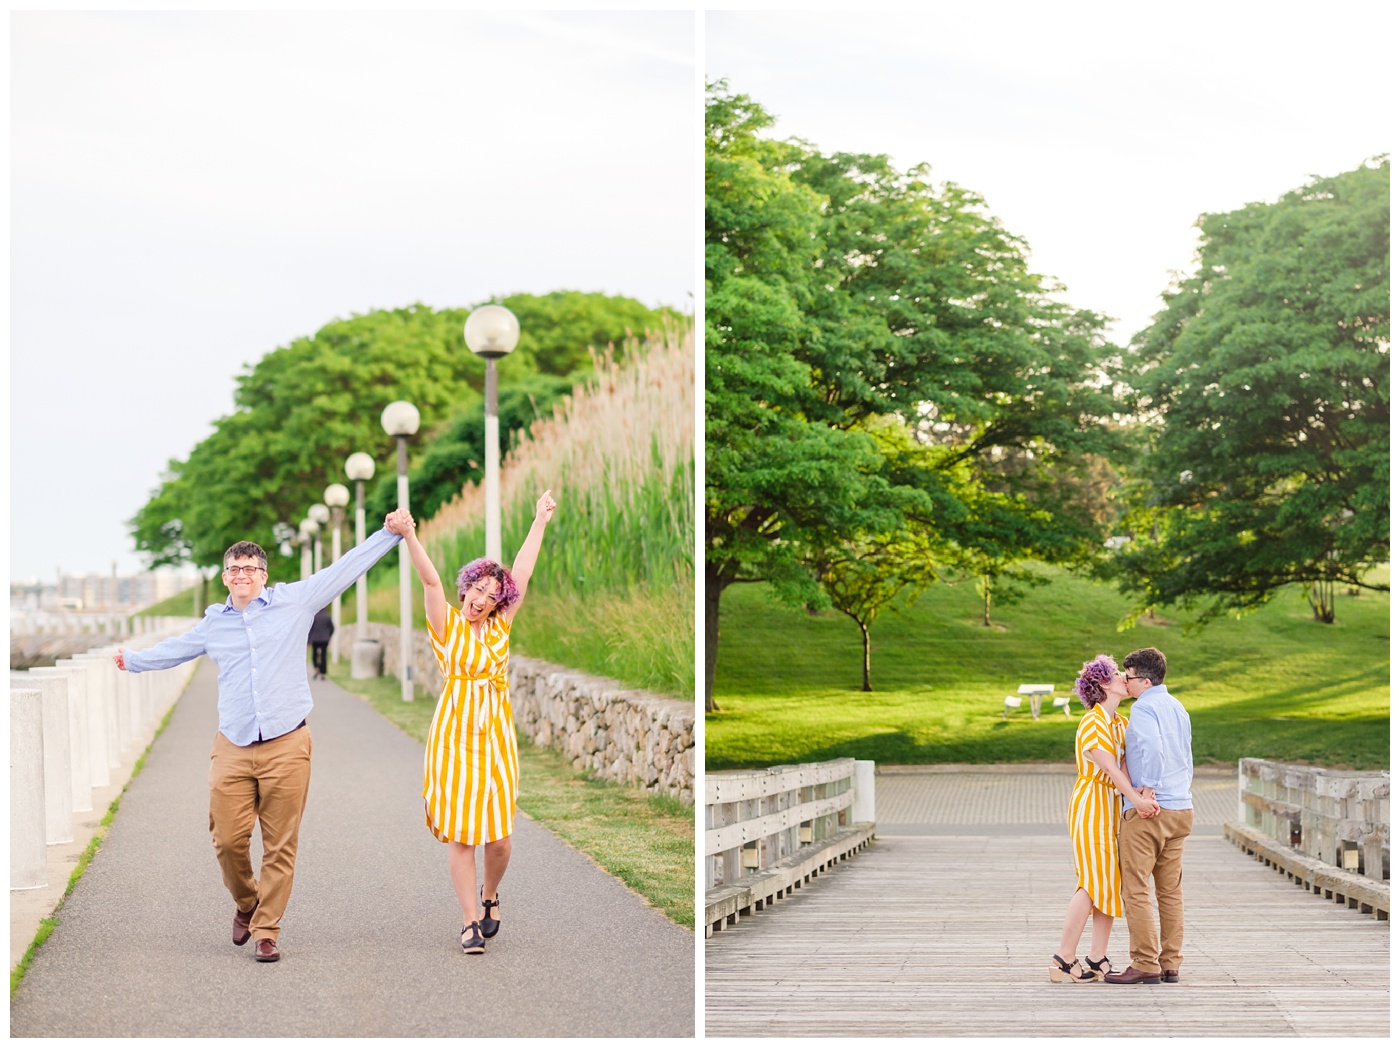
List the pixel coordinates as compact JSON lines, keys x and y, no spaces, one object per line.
{"x":261,"y":650}
{"x":1159,"y":748}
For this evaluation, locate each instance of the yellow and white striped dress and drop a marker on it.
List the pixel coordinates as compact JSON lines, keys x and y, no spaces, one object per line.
{"x":1094,"y":811}
{"x":471,"y":769}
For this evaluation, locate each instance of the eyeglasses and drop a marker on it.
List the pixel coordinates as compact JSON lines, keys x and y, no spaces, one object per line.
{"x":243,"y":569}
{"x":1126,"y":677}
{"x":485,"y":595}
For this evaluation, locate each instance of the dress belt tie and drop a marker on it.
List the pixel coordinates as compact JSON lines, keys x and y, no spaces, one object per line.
{"x":498,"y":698}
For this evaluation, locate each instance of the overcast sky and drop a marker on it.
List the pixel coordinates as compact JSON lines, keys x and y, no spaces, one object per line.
{"x":190,"y":191}
{"x":1098,"y":132}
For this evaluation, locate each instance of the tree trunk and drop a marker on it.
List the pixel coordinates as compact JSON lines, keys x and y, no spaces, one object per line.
{"x":1322,"y":597}
{"x":865,"y":637}
{"x":987,"y":601}
{"x":714,"y":586}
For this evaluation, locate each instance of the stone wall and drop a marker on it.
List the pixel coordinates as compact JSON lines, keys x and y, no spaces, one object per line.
{"x":602,"y":726}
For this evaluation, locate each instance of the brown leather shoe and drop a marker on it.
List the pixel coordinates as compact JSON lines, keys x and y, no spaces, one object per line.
{"x":1170,"y":975}
{"x":266,"y":950}
{"x":241,"y":934}
{"x":1131,"y":976}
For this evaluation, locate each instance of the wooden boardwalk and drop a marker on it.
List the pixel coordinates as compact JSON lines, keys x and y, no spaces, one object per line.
{"x":951,"y":936}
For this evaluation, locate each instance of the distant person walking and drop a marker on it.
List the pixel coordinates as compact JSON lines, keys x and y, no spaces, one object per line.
{"x":1093,"y":822}
{"x":260,"y":768}
{"x":322,"y":627}
{"x":471,"y":768}
{"x":1160,"y":764}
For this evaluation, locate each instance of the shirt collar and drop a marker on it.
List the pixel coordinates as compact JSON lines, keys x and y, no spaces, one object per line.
{"x":1155,"y":691}
{"x":260,"y":598}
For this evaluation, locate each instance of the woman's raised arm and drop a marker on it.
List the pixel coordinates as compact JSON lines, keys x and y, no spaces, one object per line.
{"x":434,"y":599}
{"x":524,"y":565}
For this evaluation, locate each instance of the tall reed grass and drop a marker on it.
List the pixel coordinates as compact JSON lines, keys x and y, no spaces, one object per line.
{"x":613,"y":592}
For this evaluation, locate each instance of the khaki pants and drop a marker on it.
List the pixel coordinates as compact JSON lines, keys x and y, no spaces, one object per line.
{"x":265,"y":783}
{"x":1153,"y":848}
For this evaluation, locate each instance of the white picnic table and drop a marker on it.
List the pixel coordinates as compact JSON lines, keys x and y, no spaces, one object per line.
{"x":1036,"y":693}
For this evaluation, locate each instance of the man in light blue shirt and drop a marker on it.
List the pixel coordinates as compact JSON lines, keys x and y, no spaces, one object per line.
{"x":1158,"y":749}
{"x":260,"y":768}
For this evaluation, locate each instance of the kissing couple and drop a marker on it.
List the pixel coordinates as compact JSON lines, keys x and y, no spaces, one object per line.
{"x":1129,"y":817}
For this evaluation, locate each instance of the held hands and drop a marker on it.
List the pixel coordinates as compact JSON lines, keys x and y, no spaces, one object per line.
{"x":1146,"y":803}
{"x":117,"y":658}
{"x":400,"y":522}
{"x":545,"y":506}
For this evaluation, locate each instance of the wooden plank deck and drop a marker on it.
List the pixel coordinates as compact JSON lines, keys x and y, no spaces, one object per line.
{"x":951,"y":936}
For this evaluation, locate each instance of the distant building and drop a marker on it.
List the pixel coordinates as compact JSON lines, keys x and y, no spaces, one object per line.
{"x":107,"y":594}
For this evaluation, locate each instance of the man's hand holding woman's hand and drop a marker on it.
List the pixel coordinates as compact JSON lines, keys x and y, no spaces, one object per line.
{"x":1146,"y":804}
{"x":119,"y":660}
{"x":400,"y":522}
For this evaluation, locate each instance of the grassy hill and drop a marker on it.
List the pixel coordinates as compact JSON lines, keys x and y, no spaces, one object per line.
{"x":1273,"y":684}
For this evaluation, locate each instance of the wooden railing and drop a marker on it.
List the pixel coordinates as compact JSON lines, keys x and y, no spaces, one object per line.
{"x":770,"y":831}
{"x":1326,"y":830}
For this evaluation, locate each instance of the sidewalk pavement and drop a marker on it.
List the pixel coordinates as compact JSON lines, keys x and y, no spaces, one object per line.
{"x":1013,"y":800}
{"x":370,"y":939}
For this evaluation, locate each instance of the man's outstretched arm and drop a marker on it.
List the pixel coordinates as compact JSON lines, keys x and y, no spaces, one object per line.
{"x":334,"y":579}
{"x":170,"y":652}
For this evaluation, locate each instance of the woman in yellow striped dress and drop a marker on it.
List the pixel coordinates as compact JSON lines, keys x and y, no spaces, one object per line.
{"x":1093,"y":821}
{"x":471,"y":768}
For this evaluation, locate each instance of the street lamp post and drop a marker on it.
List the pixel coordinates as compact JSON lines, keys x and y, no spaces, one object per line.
{"x":367,"y":659}
{"x":400,"y":420}
{"x":336,"y":496}
{"x":322,"y":516}
{"x":492,"y":332}
{"x":306,"y":535}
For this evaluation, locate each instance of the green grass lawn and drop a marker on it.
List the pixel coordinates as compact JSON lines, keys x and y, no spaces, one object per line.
{"x":1273,"y":684}
{"x":184,"y":604}
{"x":646,"y":841}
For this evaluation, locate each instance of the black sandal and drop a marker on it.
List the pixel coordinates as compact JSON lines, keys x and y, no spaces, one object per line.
{"x":490,"y":925}
{"x":473,"y":942}
{"x":1063,"y":971}
{"x":1103,"y":966}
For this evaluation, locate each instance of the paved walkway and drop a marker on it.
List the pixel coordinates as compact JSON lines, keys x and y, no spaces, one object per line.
{"x":369,"y":941}
{"x":944,"y":926}
{"x":1013,"y":799}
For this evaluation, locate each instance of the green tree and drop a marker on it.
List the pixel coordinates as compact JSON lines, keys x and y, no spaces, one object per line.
{"x":778,"y":484}
{"x":840,"y":290}
{"x":864,"y":577}
{"x":1267,"y":376}
{"x":303,"y":408}
{"x":560,"y":330}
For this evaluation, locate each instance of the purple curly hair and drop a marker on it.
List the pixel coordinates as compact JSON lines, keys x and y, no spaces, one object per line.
{"x":482,"y":568}
{"x":1097,"y":672}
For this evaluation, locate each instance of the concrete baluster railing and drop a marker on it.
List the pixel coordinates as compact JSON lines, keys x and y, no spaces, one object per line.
{"x":99,"y":772}
{"x":80,"y":747}
{"x":58,"y":788}
{"x":28,"y":847}
{"x":103,"y":679}
{"x":71,"y":724}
